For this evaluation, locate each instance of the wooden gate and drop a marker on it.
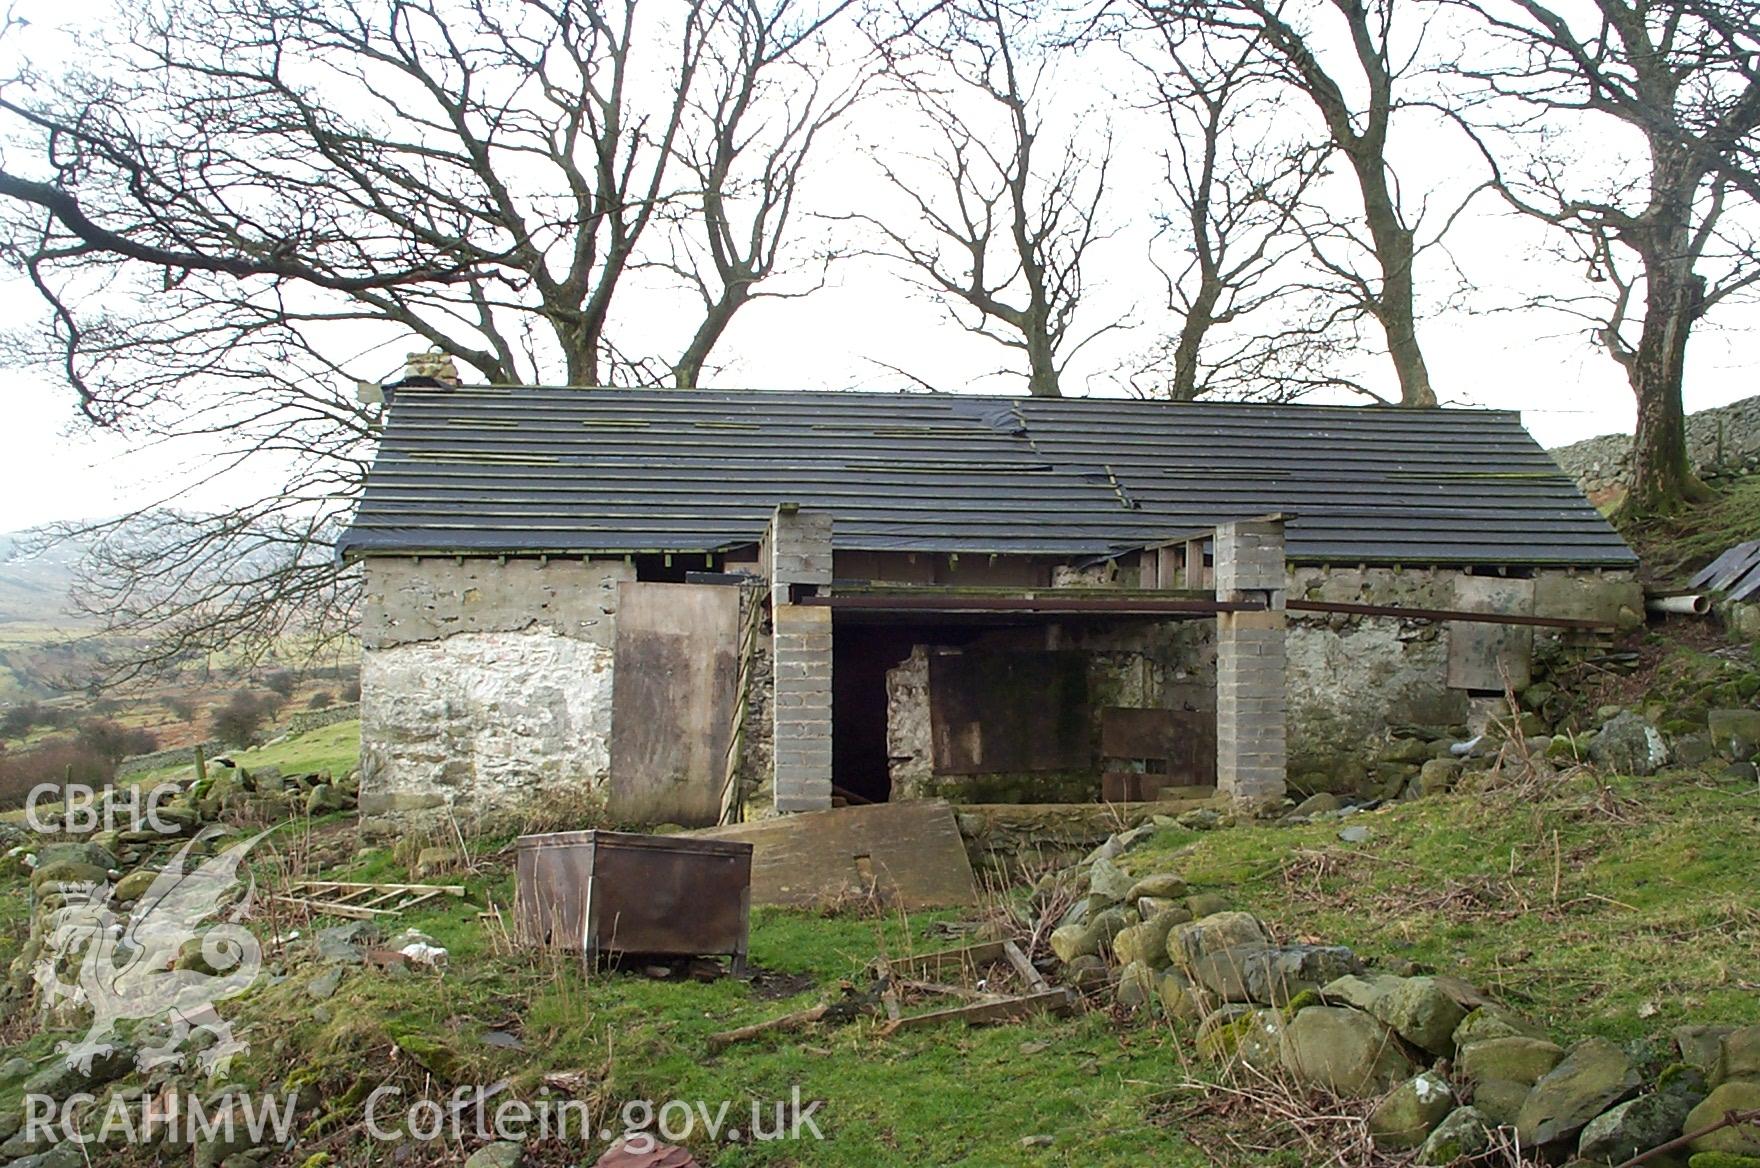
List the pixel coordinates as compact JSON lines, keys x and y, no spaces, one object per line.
{"x":672,"y":693}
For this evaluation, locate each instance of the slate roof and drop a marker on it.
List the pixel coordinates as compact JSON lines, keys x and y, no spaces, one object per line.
{"x":511,"y":470}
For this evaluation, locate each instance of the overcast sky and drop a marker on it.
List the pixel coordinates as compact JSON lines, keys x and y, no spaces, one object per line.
{"x":1480,"y":353}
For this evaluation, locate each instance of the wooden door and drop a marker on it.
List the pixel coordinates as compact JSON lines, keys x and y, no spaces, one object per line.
{"x":672,"y":693}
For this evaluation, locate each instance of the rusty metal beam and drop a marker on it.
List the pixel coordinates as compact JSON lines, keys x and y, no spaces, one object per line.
{"x":1445,"y":614}
{"x":1123,"y":605}
{"x":1139,"y":605}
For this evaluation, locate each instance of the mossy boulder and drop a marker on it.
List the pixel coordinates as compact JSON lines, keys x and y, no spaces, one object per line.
{"x":1593,"y":1077}
{"x":1500,"y":1100}
{"x":1628,"y":745}
{"x":1345,"y":1051}
{"x":1187,"y":944}
{"x":1701,"y":1045}
{"x":1735,"y":733}
{"x":134,"y":885}
{"x":1494,"y":1021}
{"x":1422,"y":1011}
{"x":1147,"y":942}
{"x":1086,"y":973}
{"x":1517,"y":1059}
{"x":68,"y":873}
{"x":1108,"y":882}
{"x":1359,"y":991}
{"x":1217,"y":1033}
{"x":1408,"y":1114}
{"x":1163,"y":884}
{"x":501,"y":1154}
{"x":1742,"y":1140}
{"x":1180,"y":996}
{"x":1463,"y":1133}
{"x":1437,"y":776}
{"x":1087,"y":938}
{"x":1738,"y":1056}
{"x":1722,"y":1160}
{"x":1635,"y":1126}
{"x":1405,"y":750}
{"x":324,"y":799}
{"x":1136,"y":986}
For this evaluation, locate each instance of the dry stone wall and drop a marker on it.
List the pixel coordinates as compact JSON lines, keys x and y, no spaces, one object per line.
{"x":1721,"y":443}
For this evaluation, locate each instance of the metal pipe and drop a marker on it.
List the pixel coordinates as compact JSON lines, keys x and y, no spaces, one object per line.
{"x":1692,"y":604}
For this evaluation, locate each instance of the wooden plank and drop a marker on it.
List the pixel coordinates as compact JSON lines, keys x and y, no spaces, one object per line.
{"x":671,"y":709}
{"x":968,"y":957}
{"x":912,"y":849}
{"x":1009,"y":712}
{"x":330,"y":908}
{"x":1486,"y":657}
{"x":332,"y":885}
{"x":1136,"y":733}
{"x":1028,"y":971}
{"x":1002,"y":1010}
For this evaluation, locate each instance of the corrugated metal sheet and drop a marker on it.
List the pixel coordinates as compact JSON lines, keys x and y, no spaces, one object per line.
{"x":509,"y":470}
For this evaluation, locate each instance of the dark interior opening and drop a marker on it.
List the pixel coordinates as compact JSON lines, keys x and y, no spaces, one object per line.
{"x":861,"y":655}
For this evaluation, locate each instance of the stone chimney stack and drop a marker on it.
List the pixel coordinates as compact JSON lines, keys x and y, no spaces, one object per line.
{"x":433,"y":365}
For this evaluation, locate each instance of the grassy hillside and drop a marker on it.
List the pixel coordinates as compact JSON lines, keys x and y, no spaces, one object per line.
{"x":1619,"y":908}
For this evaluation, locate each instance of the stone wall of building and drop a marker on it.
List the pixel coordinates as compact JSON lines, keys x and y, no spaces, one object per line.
{"x":1352,"y":677}
{"x":1138,"y":665}
{"x":484,"y":684}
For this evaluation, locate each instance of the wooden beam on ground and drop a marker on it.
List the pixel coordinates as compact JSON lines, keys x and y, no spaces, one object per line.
{"x":1054,"y":1001}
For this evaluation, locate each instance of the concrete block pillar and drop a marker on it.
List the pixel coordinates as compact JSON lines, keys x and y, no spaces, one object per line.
{"x":798,"y":555}
{"x":1251,"y":666}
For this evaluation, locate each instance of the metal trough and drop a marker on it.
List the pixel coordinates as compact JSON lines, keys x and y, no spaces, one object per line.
{"x":611,"y":892}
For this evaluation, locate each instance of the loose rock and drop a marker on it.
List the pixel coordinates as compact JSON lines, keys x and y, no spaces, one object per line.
{"x":1592,"y":1078}
{"x":1344,"y":1051}
{"x":1408,"y":1114}
{"x":1519,"y":1060}
{"x":1464,"y":1132}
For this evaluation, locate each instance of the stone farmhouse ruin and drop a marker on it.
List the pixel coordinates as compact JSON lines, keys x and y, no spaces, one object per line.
{"x":704,"y":605}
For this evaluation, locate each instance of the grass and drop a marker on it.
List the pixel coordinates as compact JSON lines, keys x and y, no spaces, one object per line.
{"x":1675,"y":548}
{"x":335,"y":748}
{"x":951,"y":1096}
{"x":1617,"y":909}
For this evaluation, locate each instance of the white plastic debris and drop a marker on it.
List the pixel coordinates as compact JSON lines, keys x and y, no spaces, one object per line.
{"x":423,"y":953}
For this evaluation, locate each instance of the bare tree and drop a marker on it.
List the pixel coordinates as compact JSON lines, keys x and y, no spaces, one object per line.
{"x":1238,"y":180}
{"x":1667,"y":236}
{"x":996,"y":222}
{"x":232,"y":208}
{"x":1376,"y":68}
{"x":764,"y":105}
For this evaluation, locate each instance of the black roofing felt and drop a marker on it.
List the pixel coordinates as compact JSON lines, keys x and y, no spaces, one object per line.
{"x":509,"y":470}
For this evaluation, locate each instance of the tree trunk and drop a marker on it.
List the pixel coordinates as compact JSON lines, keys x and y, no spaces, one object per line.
{"x":1394,"y":305}
{"x":689,"y":369}
{"x":1041,"y":361}
{"x":1200,"y":316}
{"x":1659,"y":480}
{"x":580,"y":351}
